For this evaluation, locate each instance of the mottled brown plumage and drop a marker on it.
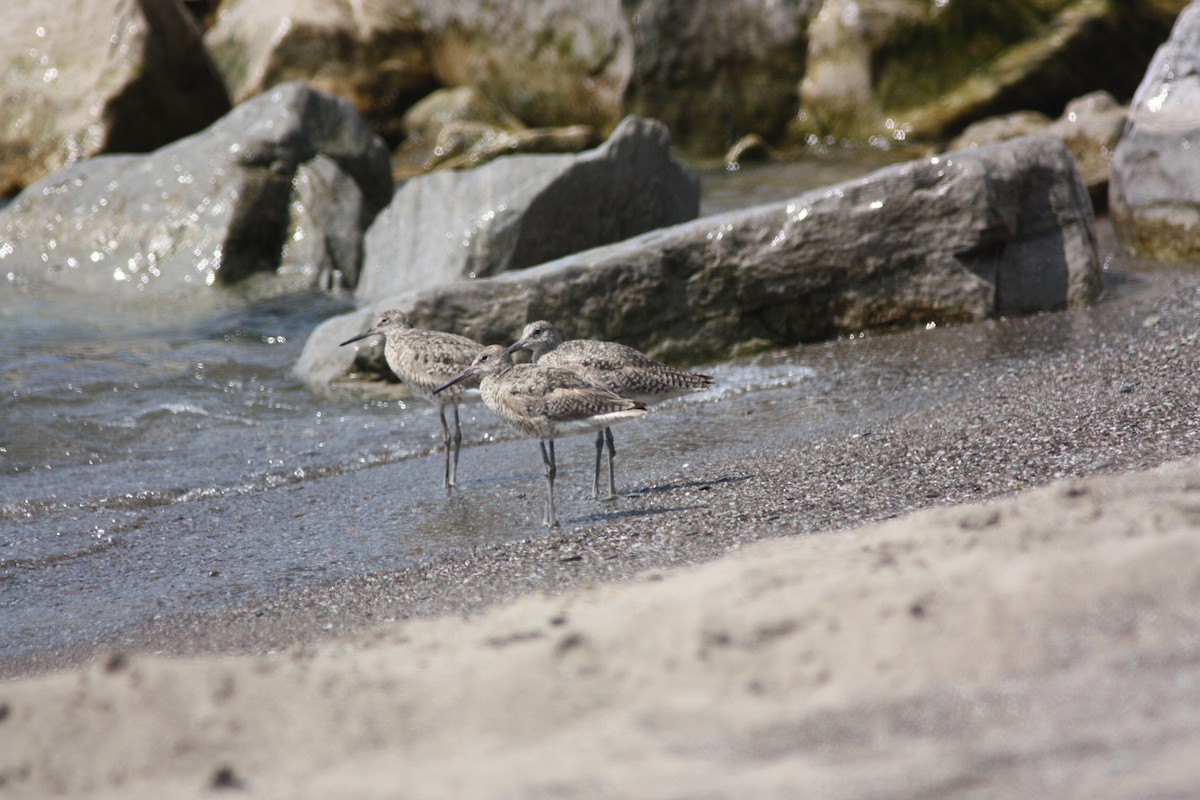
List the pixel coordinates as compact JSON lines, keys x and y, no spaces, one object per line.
{"x":424,"y":360}
{"x":619,"y":368}
{"x":544,"y":403}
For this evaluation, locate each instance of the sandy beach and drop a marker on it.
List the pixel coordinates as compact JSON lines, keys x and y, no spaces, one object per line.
{"x":1044,"y":645}
{"x":989,"y":589}
{"x":929,"y":530}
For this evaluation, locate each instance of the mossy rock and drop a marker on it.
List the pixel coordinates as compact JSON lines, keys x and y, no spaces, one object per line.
{"x":934,"y":70}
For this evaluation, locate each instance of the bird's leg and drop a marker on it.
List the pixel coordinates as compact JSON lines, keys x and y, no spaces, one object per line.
{"x":447,"y":484}
{"x":457,"y":447}
{"x":599,"y":453}
{"x":550,"y":520}
{"x":612,"y":451}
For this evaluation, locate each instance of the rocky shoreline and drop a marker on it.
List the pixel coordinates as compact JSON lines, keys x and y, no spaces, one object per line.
{"x":1043,"y":642}
{"x":1113,"y":387}
{"x":955,"y":560}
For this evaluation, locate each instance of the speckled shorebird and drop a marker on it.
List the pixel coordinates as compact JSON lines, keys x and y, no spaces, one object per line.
{"x":621,"y":369}
{"x":424,"y":360}
{"x":544,"y":403}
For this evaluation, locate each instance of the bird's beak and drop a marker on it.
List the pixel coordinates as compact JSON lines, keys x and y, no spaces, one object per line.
{"x":462,"y":376}
{"x":517,"y":345}
{"x":362,"y":335}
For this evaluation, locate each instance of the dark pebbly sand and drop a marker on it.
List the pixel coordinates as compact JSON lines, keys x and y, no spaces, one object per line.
{"x":983,"y":580}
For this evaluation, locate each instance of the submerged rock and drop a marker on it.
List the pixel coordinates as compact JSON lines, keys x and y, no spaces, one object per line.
{"x":523,"y":210}
{"x":99,"y":76}
{"x":999,"y":230}
{"x":215,"y":207}
{"x":1154,"y":196}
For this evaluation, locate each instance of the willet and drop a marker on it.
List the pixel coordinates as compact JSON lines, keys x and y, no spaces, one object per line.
{"x":621,"y":369}
{"x":424,"y":360}
{"x":544,"y":403}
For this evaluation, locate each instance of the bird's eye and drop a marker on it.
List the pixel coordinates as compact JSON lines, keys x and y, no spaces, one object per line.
{"x":538,"y":331}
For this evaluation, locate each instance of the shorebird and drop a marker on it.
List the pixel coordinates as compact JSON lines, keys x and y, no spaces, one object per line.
{"x":622,"y":370}
{"x":544,"y":403}
{"x":424,"y":360}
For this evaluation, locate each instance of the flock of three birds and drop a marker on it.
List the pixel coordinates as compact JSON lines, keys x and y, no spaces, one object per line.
{"x":576,"y":386}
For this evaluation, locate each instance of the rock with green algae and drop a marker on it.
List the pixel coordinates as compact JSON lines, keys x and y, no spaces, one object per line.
{"x":459,"y":127}
{"x":909,"y":69}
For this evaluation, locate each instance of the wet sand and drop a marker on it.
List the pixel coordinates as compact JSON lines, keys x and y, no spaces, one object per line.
{"x":1043,"y":644}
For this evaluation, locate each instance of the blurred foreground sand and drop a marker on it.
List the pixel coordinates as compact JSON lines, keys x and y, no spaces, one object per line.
{"x":1043,"y":645}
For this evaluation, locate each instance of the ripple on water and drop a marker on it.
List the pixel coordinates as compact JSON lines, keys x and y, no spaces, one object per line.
{"x":65,"y":535}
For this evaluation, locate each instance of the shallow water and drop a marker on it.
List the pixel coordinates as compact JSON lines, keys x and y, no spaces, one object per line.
{"x":729,"y":188}
{"x":186,"y":470}
{"x":163,"y":459}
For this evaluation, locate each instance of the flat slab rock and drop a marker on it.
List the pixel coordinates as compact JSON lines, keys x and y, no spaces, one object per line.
{"x":999,"y":230}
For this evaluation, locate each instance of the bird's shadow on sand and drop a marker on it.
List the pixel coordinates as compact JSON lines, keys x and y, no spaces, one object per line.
{"x":674,"y":487}
{"x":632,"y":513}
{"x":649,"y":491}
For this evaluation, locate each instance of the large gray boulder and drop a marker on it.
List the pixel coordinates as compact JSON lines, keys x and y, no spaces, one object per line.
{"x":1154,"y":196}
{"x":716,"y":70}
{"x":373,"y":54}
{"x":1000,"y":230}
{"x":212,"y":208}
{"x":556,"y":62}
{"x":82,"y":77}
{"x":522,"y":210}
